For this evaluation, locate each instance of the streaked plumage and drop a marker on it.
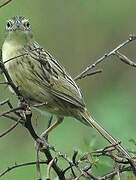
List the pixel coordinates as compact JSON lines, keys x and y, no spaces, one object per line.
{"x":37,"y":74}
{"x":41,"y":79}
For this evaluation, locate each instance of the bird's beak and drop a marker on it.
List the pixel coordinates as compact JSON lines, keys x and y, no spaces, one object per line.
{"x":18,"y":22}
{"x":18,"y":25}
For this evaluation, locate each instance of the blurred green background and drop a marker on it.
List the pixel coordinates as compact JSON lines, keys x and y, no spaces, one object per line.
{"x":77,"y":32}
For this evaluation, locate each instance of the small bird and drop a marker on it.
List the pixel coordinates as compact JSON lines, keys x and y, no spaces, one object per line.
{"x":42,"y":80}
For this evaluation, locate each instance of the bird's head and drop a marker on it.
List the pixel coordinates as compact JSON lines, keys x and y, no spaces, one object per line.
{"x":18,"y":23}
{"x":19,"y":26}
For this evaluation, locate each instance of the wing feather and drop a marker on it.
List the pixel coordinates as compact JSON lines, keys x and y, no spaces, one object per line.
{"x":54,"y":77}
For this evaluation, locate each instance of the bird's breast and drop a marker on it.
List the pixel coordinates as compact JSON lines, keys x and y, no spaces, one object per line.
{"x":10,"y":50}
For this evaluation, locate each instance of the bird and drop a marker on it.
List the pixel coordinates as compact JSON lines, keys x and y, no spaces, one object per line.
{"x":42,"y":80}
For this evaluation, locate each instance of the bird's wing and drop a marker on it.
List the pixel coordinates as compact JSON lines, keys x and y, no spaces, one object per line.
{"x":54,"y":77}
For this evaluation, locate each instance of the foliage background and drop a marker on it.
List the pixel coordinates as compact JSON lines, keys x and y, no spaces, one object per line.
{"x":77,"y":33}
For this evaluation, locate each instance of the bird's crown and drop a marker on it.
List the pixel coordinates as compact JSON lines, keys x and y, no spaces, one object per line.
{"x":18,"y":23}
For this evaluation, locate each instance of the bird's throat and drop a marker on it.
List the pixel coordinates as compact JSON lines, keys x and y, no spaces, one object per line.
{"x":15,"y":41}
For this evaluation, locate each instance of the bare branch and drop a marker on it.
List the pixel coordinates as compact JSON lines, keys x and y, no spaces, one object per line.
{"x":21,"y":55}
{"x":38,"y":166}
{"x":5,"y":3}
{"x":74,"y":162}
{"x":49,"y":169}
{"x":9,"y":130}
{"x":82,"y":74}
{"x":4,"y":102}
{"x":125,"y":59}
{"x":4,"y":83}
{"x":12,"y":110}
{"x":88,"y":74}
{"x":21,"y":165}
{"x":113,"y":173}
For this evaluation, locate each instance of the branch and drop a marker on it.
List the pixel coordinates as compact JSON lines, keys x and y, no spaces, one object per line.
{"x":101,"y":59}
{"x":38,"y":165}
{"x":74,"y":162}
{"x":21,"y":55}
{"x":125,"y":59}
{"x":88,"y":74}
{"x":113,"y":173}
{"x":21,"y":165}
{"x":5,"y":3}
{"x":10,"y":129}
{"x":12,"y":110}
{"x":49,"y":168}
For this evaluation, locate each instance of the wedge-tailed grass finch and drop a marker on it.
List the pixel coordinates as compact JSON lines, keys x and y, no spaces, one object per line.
{"x":41,"y":79}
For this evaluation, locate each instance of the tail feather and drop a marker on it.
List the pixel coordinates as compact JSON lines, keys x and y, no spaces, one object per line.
{"x":88,"y":120}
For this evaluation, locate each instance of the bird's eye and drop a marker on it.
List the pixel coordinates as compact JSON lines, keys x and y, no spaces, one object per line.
{"x":27,"y":25}
{"x":9,"y":24}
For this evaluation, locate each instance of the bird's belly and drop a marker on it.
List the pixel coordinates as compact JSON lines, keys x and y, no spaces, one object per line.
{"x":35,"y":94}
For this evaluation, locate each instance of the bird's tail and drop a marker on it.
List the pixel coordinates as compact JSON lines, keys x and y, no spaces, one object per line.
{"x":88,"y":120}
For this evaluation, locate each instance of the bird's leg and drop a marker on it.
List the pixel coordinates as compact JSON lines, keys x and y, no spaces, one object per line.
{"x":42,"y":143}
{"x":53,"y":126}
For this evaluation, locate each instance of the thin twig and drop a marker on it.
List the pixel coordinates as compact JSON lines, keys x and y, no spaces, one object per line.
{"x":131,"y":38}
{"x":12,"y":110}
{"x":50,"y":160}
{"x":21,"y":165}
{"x":4,"y":83}
{"x":56,"y":168}
{"x":7,"y":101}
{"x":10,"y":129}
{"x":117,"y":170}
{"x":21,"y":55}
{"x":39,"y":175}
{"x":5,"y":3}
{"x":4,"y":102}
{"x":125,"y":59}
{"x":77,"y":178}
{"x":60,"y":154}
{"x":49,"y":169}
{"x":113,"y":173}
{"x":88,"y":74}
